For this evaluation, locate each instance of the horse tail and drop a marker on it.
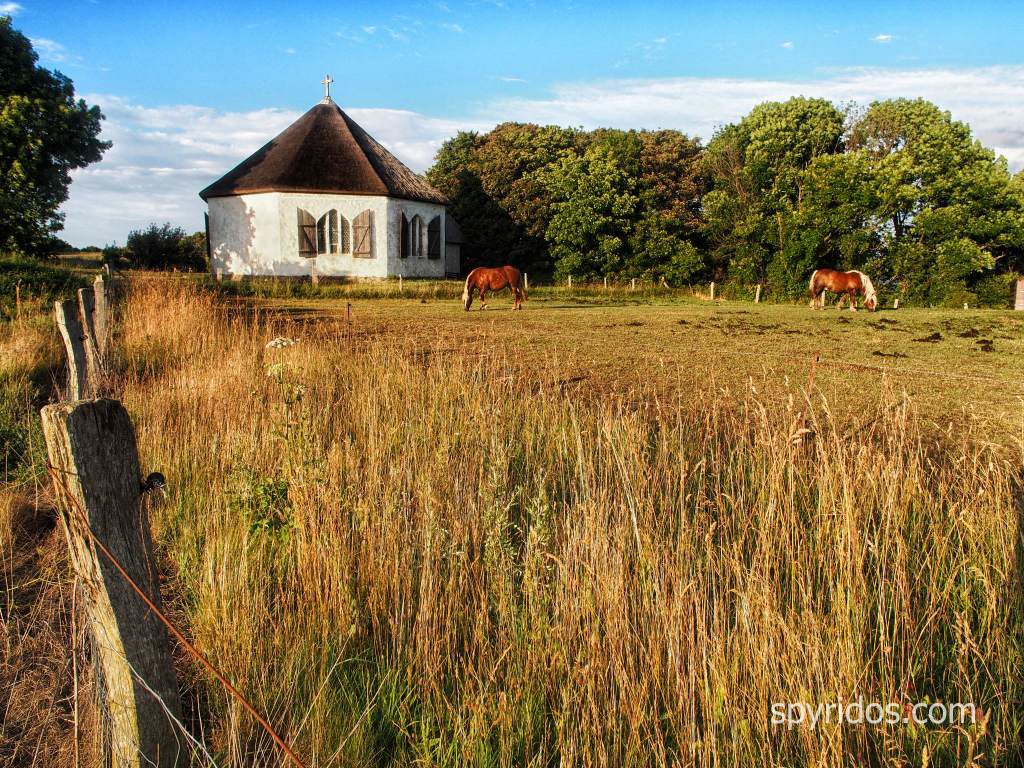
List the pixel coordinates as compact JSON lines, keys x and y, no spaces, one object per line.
{"x":465,"y":290}
{"x":810,"y":285}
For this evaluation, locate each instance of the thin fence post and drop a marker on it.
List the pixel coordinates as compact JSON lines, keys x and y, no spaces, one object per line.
{"x":313,"y":276}
{"x":570,"y":281}
{"x":1018,"y":299}
{"x":712,"y":291}
{"x":896,"y":304}
{"x":632,"y":284}
{"x":757,"y":294}
{"x":101,"y":321}
{"x":606,"y":282}
{"x":92,"y":450}
{"x":400,"y":284}
{"x":70,"y":327}
{"x":17,"y":301}
{"x":526,"y":281}
{"x":87,"y":311}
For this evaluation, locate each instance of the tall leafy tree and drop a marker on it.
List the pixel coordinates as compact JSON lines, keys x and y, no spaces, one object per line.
{"x":45,"y":133}
{"x":946,"y":210}
{"x":757,"y":212}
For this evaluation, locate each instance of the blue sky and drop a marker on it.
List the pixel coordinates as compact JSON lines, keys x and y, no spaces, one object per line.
{"x":191,"y":88}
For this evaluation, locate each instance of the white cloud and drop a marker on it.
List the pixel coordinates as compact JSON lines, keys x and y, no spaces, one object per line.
{"x":52,"y":52}
{"x":369,"y":29}
{"x":163,"y":156}
{"x":453,"y":28}
{"x":882,"y":39}
{"x":289,"y":51}
{"x":788,"y":44}
{"x":511,"y":79}
{"x":10,"y":9}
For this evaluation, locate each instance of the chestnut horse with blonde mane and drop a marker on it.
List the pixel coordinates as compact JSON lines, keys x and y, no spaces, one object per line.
{"x":484,"y":279}
{"x":848,"y":285}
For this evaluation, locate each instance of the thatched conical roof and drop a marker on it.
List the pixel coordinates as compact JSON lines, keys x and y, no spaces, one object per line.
{"x":324,"y":151}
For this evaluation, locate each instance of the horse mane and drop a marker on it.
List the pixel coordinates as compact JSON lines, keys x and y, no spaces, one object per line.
{"x":869,"y":287}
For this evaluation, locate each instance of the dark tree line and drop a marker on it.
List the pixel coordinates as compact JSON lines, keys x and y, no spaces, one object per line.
{"x":898,"y":189}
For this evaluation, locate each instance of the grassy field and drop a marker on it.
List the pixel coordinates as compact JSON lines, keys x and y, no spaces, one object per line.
{"x":951,"y":364}
{"x":612,"y":529}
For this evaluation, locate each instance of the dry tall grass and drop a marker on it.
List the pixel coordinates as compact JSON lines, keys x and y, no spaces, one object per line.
{"x":423,"y":555}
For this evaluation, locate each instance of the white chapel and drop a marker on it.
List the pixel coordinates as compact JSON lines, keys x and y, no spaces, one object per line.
{"x":325,"y":198}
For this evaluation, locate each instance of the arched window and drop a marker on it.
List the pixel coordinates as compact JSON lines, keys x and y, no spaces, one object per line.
{"x":307,"y":234}
{"x":362,"y":235}
{"x":434,"y":238}
{"x":417,"y":236}
{"x":344,"y":236}
{"x":404,"y":238}
{"x":327,"y":233}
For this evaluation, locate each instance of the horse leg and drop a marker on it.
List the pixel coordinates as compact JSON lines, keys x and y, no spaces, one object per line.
{"x":853,"y":302}
{"x":483,"y":293}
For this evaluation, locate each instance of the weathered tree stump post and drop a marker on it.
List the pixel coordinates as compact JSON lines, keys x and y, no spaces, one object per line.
{"x":757,"y":294}
{"x":712,"y":291}
{"x":92,"y":450}
{"x":101,"y":322}
{"x":70,"y":327}
{"x":93,"y":363}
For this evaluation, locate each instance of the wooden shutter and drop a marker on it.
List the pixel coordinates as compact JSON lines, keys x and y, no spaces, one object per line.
{"x":321,"y":235}
{"x":434,"y":238}
{"x":307,"y":234}
{"x":362,"y":235}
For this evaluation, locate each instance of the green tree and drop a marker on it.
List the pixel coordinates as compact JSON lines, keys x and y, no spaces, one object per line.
{"x":757,"y":215}
{"x":947,"y":211}
{"x":594,"y":201}
{"x":161,"y":246}
{"x":44,"y":135}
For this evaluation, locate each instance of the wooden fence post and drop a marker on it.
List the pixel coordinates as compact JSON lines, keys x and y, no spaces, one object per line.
{"x":570,"y":281}
{"x":17,"y":301}
{"x":92,"y":450}
{"x":526,"y":281}
{"x":712,"y":291}
{"x":1018,"y":299}
{"x":606,"y":282}
{"x":757,"y":294}
{"x":314,"y":278}
{"x":399,"y":283}
{"x":632,"y":284}
{"x":66,"y":315}
{"x":896,"y":304}
{"x":101,"y":322}
{"x":93,"y":364}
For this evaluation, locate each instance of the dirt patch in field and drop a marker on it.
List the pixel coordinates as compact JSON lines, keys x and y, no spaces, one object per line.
{"x":932,"y":338}
{"x":970,"y":333}
{"x":985,"y":345}
{"x":878,"y":353}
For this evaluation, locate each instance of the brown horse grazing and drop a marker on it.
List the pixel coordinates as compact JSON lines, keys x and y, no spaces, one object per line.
{"x":848,"y":285}
{"x":484,"y":279}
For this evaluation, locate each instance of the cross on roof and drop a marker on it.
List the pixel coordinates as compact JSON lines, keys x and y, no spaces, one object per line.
{"x":327,"y":88}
